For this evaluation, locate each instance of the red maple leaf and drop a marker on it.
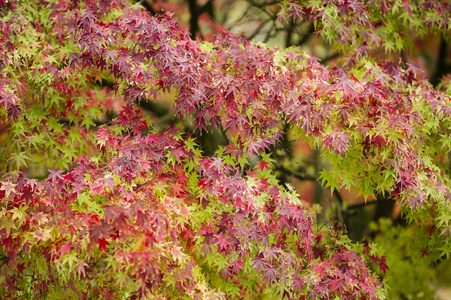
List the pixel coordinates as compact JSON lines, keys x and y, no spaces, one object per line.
{"x":223,"y":242}
{"x":270,"y":275}
{"x":103,"y":243}
{"x":14,"y":112}
{"x":97,"y":232}
{"x":66,"y":248}
{"x":259,"y":263}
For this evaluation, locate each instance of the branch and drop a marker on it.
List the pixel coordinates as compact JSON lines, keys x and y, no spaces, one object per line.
{"x":306,"y":36}
{"x":193,"y":22}
{"x":441,"y":67}
{"x":289,"y":34}
{"x":360,"y":205}
{"x":258,"y":29}
{"x":244,"y":15}
{"x":208,"y":8}
{"x":153,"y":107}
{"x":384,"y":206}
{"x":298,"y":175}
{"x":110,"y":115}
{"x":259,"y":5}
{"x":147,"y":6}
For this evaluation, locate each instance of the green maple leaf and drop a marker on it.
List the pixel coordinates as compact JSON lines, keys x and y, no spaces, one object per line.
{"x":19,"y":213}
{"x":389,"y":46}
{"x":51,"y":59}
{"x":54,"y":124}
{"x":88,"y":122}
{"x":19,"y":159}
{"x":122,"y":279}
{"x":70,"y":259}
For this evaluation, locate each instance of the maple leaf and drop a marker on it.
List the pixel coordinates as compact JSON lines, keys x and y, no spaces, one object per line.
{"x":55,"y":175}
{"x":142,"y":220}
{"x":41,"y":235}
{"x":188,"y":234}
{"x":264,"y":165}
{"x":27,"y":196}
{"x":259,"y":263}
{"x":177,"y":153}
{"x":295,"y":10}
{"x":103,"y":243}
{"x":80,"y":268}
{"x":14,"y":111}
{"x":408,"y":8}
{"x":298,"y":283}
{"x":236,"y":266}
{"x":383,"y":264}
{"x":66,"y":248}
{"x":8,"y":99}
{"x":111,"y":54}
{"x":158,"y":220}
{"x":344,"y":9}
{"x":97,"y":232}
{"x":8,"y":187}
{"x":270,"y":275}
{"x":414,"y":202}
{"x":208,"y":235}
{"x":121,"y":219}
{"x":51,"y":192}
{"x":345,"y":85}
{"x":222,"y":242}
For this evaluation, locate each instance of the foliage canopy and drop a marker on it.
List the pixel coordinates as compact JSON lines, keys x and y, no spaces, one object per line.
{"x":124,"y":206}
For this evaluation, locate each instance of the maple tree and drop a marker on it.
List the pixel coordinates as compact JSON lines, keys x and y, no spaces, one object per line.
{"x":101,"y":199}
